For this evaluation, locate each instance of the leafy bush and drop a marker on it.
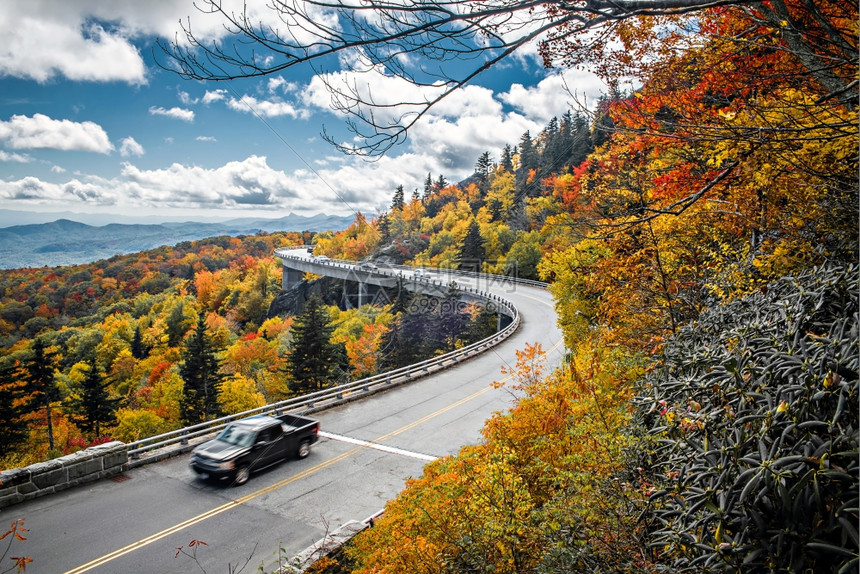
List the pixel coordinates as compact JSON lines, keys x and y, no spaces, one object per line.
{"x":754,"y":419}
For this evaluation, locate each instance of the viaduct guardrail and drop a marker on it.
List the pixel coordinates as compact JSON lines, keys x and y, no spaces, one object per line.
{"x":20,"y":484}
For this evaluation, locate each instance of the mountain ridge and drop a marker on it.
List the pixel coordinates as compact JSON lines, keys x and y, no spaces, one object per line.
{"x":67,"y":242}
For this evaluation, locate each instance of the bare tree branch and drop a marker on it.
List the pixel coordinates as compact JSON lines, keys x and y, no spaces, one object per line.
{"x":417,"y":41}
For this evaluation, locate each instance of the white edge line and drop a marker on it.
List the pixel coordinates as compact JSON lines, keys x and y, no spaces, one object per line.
{"x":377,"y":446}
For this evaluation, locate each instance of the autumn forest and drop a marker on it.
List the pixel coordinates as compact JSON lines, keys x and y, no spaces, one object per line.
{"x":700,"y":238}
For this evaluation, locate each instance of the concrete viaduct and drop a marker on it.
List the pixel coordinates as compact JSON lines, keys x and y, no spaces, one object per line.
{"x":297,"y":262}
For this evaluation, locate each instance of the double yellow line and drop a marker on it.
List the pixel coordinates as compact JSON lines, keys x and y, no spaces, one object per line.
{"x":249,"y":497}
{"x":256,"y":494}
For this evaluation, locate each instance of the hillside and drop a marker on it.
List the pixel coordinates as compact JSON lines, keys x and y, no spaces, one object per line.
{"x":65,"y":242}
{"x":700,"y":238}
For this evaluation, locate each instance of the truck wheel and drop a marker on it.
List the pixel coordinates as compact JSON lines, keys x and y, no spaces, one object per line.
{"x":304,"y":449}
{"x":242,"y":475}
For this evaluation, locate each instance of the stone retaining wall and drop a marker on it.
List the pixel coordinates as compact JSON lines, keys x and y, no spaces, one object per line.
{"x":40,"y":479}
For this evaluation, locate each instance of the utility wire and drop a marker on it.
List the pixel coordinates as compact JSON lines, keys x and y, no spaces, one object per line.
{"x":291,"y":148}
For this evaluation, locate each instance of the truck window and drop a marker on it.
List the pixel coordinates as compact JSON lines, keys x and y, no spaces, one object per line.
{"x":269,"y":434}
{"x":236,"y":436}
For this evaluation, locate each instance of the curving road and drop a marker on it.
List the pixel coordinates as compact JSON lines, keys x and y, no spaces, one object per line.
{"x":136,"y":522}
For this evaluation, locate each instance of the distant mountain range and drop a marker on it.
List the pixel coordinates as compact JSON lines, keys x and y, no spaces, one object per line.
{"x":66,"y":242}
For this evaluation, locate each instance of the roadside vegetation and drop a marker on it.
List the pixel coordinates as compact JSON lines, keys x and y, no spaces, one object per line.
{"x":700,"y":239}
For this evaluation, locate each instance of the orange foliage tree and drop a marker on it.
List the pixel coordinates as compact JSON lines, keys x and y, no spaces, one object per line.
{"x":543,"y":477}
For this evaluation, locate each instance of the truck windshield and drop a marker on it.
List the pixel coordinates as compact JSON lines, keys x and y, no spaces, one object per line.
{"x":236,"y":436}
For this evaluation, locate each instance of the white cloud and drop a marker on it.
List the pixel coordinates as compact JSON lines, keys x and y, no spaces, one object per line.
{"x":42,"y":46}
{"x":175,"y":112}
{"x":554,"y":95}
{"x":247,"y":184}
{"x":266,"y":108}
{"x":394,"y":97}
{"x":42,"y":132}
{"x":278,"y":83}
{"x":452,"y":134}
{"x":58,"y":169}
{"x":92,"y":40}
{"x":15,"y":157}
{"x":206,"y":139}
{"x":32,"y":190}
{"x":186,"y":98}
{"x":128,"y":147}
{"x":214,"y":96}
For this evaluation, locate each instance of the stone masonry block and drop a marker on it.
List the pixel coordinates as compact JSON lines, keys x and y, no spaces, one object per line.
{"x":27,"y":488}
{"x":47,"y":474}
{"x":81,"y":466}
{"x":113,"y":454}
{"x":10,"y":498}
{"x":14,"y":477}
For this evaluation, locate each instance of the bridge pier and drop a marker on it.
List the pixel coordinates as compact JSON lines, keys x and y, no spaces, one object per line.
{"x":295,"y":267}
{"x":362,"y":293}
{"x":290,"y":277}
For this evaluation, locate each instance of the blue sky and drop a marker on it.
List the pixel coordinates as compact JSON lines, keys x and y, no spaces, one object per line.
{"x":89,"y":123}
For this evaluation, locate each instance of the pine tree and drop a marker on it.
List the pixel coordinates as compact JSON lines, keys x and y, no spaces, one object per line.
{"x":177,"y":325}
{"x":13,"y":427}
{"x":42,"y":384}
{"x":138,"y":348}
{"x":529,"y":160}
{"x":481,"y":326}
{"x":383,"y":225}
{"x":314,"y":362}
{"x":398,"y":200}
{"x":473,"y":252}
{"x":603,"y":125}
{"x":506,"y":163}
{"x":95,"y":405}
{"x":581,"y":142}
{"x":440,"y":183}
{"x":428,"y":187}
{"x":554,"y":154}
{"x":483,"y":166}
{"x":199,"y":370}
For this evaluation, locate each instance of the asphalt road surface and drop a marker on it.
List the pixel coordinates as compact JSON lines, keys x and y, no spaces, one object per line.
{"x":135,"y":523}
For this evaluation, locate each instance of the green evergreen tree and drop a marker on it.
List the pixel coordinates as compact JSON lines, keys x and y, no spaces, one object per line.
{"x":506,"y":163}
{"x":398,"y":201}
{"x":529,"y":160}
{"x":177,"y":325}
{"x":482,"y":326}
{"x":473,"y":252}
{"x":138,"y":348}
{"x":581,"y":142}
{"x":314,"y":362}
{"x":428,"y":187}
{"x":603,"y":125}
{"x":13,"y":427}
{"x":199,"y":370}
{"x":41,"y":383}
{"x":409,"y":340}
{"x":94,"y":406}
{"x":553,"y":154}
{"x":384,"y":227}
{"x":449,"y":322}
{"x":483,"y":167}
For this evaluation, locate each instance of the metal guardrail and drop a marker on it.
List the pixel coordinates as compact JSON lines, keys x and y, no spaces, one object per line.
{"x":393,"y":270}
{"x":180,"y":439}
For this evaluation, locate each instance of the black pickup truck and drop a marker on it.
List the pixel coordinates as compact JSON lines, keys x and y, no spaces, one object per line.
{"x":253,"y":443}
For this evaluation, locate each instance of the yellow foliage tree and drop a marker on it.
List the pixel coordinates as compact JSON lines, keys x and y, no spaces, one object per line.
{"x":238,"y":394}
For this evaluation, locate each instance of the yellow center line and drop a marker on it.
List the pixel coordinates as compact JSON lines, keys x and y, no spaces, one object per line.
{"x":256,"y":494}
